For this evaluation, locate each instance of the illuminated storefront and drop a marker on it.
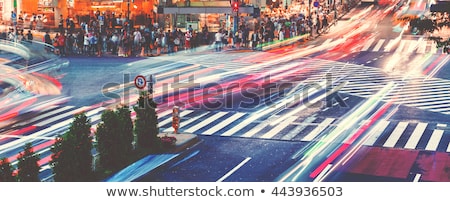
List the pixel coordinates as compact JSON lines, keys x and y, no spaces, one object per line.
{"x":138,"y":11}
{"x":50,"y":10}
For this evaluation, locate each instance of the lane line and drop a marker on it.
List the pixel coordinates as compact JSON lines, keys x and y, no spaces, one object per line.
{"x":234,"y":169}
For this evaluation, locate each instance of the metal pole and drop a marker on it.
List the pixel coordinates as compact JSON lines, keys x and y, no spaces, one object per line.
{"x":236,"y":21}
{"x":128,"y":11}
{"x":309,"y":8}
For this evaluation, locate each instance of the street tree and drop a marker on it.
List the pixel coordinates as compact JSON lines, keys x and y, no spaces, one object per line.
{"x":114,"y":138}
{"x":146,"y":124}
{"x":423,"y":25}
{"x":72,"y":157}
{"x":126,"y":135}
{"x":6,"y":171}
{"x":28,"y":167}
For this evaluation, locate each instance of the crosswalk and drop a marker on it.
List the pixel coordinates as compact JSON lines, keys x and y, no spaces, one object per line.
{"x":431,"y":94}
{"x":418,"y":45}
{"x":388,"y":134}
{"x":412,"y":135}
{"x":422,"y":92}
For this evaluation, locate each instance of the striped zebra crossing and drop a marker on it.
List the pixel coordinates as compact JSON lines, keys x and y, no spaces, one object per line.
{"x":431,"y":94}
{"x":419,"y":45}
{"x":425,"y":136}
{"x":421,"y":135}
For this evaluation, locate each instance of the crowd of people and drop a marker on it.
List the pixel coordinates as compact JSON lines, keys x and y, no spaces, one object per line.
{"x":278,"y":24}
{"x":99,"y":35}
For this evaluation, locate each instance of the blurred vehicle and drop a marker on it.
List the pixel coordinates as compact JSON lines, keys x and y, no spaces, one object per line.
{"x":24,"y":93}
{"x":412,"y":9}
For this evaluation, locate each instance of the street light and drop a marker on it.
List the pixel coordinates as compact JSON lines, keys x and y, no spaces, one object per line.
{"x":235,"y":9}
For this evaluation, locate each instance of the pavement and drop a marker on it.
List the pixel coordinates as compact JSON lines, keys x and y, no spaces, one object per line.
{"x":154,"y":162}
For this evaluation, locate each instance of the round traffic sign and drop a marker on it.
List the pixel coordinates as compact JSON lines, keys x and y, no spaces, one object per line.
{"x":316,"y":4}
{"x":140,"y":82}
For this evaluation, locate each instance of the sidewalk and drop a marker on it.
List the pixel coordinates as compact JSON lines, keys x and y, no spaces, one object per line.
{"x":153,"y":162}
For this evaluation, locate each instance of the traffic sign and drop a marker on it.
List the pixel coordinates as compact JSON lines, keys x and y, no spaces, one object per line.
{"x":316,"y":4}
{"x":140,"y":82}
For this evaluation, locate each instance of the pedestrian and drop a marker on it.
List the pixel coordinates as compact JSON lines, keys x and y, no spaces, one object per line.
{"x":48,"y":41}
{"x":218,"y":40}
{"x":255,"y":40}
{"x":114,"y":43}
{"x":39,"y":24}
{"x":187,"y":43}
{"x":86,"y":44}
{"x":29,"y":36}
{"x":62,"y":44}
{"x":137,"y":39}
{"x":60,"y":24}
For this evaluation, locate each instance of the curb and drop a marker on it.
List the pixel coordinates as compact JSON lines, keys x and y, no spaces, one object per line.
{"x":156,"y":162}
{"x":185,"y":150}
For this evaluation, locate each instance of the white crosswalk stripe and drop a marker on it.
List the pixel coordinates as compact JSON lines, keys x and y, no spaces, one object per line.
{"x":275,"y":130}
{"x":434,"y":140}
{"x":313,"y":134}
{"x":205,"y":122}
{"x":415,"y":137}
{"x":375,"y":132}
{"x":226,"y":122}
{"x":395,"y":135}
{"x":60,"y":116}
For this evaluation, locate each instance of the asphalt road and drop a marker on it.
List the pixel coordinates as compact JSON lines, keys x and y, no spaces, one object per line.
{"x":264,"y":115}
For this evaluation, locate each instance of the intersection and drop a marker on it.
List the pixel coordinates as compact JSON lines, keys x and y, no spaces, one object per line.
{"x":353,"y":88}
